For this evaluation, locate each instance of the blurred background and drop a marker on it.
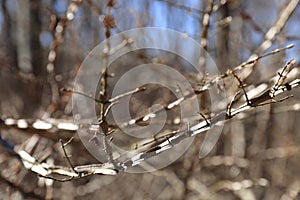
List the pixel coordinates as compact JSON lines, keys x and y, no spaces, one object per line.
{"x":43,"y":43}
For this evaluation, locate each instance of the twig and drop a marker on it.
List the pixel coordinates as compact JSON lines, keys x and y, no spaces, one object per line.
{"x":180,"y":5}
{"x":65,"y":153}
{"x":139,"y":89}
{"x":103,"y":125}
{"x":59,"y":25}
{"x":204,"y":33}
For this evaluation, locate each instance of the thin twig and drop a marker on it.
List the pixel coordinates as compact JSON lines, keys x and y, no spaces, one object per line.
{"x":65,"y":153}
{"x":59,"y":26}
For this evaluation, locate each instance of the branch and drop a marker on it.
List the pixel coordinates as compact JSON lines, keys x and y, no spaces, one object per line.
{"x":222,"y":116}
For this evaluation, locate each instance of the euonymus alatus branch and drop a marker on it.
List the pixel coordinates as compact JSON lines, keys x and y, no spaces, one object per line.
{"x":282,"y":84}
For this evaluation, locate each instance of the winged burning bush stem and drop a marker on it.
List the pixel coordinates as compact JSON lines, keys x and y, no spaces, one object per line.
{"x":167,"y":141}
{"x":266,"y":97}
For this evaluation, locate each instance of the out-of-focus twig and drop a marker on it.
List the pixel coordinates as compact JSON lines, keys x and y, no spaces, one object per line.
{"x":59,"y":27}
{"x":271,"y":34}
